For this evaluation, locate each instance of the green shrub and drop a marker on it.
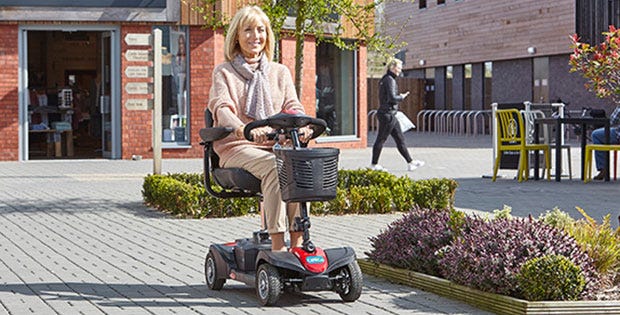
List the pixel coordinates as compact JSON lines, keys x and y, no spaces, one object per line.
{"x":359,"y":191}
{"x":434,"y":193}
{"x":364,"y":177}
{"x":551,"y":278}
{"x":184,"y":195}
{"x":488,"y":255}
{"x":337,"y":206}
{"x":405,"y":193}
{"x":171,"y":195}
{"x":369,"y":199}
{"x":600,"y":241}
{"x":504,"y":213}
{"x":558,"y":218}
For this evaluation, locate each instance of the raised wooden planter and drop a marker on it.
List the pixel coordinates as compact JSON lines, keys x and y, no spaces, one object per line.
{"x":483,"y":300}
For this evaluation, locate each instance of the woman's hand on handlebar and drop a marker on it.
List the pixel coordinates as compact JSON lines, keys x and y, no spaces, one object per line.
{"x":261,"y":134}
{"x":305,"y":134}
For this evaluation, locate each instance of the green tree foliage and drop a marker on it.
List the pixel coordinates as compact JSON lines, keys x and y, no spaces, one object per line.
{"x":320,"y":18}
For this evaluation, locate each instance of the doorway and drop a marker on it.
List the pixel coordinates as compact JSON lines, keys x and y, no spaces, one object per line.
{"x":69,"y":105}
{"x":540,"y":88}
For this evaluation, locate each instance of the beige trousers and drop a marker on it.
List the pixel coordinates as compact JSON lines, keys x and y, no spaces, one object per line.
{"x":262,"y":164}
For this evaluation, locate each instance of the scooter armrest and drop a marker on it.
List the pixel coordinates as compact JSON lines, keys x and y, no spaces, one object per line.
{"x":214,"y":133}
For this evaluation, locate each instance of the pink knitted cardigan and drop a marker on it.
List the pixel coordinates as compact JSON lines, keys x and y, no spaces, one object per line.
{"x":227,"y":103}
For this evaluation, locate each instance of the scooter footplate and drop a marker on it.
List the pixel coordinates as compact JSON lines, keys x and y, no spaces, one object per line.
{"x":317,"y":283}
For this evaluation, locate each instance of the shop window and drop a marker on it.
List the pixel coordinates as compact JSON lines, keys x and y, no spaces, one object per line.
{"x":429,"y":88}
{"x":540,"y":90}
{"x":488,"y":84}
{"x":175,"y":94}
{"x":336,"y":81}
{"x":467,"y":87}
{"x":449,"y":76}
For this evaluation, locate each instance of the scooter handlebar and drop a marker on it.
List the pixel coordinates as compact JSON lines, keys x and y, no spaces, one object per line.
{"x":284,"y":122}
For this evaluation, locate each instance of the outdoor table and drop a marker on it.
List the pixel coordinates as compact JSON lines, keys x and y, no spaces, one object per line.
{"x":584,"y":122}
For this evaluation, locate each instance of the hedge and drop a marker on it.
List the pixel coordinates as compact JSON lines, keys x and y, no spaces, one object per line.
{"x":359,"y":192}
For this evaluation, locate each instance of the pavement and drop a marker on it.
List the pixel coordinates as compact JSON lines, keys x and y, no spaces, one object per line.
{"x":75,"y":237}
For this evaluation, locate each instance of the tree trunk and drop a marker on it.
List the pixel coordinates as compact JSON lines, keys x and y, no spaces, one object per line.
{"x":299,"y":46}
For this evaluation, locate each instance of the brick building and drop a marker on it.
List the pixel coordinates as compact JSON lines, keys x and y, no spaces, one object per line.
{"x":75,"y":79}
{"x":474,"y":53}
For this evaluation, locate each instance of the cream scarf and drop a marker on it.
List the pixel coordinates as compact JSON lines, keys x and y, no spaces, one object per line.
{"x":258,"y":103}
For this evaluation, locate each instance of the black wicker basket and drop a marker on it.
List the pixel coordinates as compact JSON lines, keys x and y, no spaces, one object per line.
{"x":307,"y":174}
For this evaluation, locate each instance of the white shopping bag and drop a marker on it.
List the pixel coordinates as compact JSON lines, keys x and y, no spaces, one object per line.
{"x":404,"y":121}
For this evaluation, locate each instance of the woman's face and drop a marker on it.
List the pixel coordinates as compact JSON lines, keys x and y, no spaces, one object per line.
{"x":252,"y":39}
{"x":396,"y":69}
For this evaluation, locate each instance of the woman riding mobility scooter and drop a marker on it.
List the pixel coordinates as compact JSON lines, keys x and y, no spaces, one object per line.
{"x":305,"y":174}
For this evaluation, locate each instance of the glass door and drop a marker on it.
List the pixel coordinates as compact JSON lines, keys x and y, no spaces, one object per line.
{"x":540,"y":89}
{"x":105,"y":95}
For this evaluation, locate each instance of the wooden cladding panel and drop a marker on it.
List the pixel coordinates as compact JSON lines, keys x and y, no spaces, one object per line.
{"x":349,"y":29}
{"x":594,"y":17}
{"x":191,"y":16}
{"x":411,"y":105}
{"x":476,"y":31}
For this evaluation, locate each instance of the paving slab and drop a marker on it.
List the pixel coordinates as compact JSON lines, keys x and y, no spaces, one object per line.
{"x":75,"y":237}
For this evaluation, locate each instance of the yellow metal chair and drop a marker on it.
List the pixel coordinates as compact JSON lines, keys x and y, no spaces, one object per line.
{"x":588,"y":159}
{"x":529,"y":117}
{"x":511,"y":136}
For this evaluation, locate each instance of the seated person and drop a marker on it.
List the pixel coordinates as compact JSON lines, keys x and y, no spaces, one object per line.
{"x":247,"y":87}
{"x":598,"y":137}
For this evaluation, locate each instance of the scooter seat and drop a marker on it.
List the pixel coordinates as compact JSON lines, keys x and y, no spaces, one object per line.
{"x":236,"y":179}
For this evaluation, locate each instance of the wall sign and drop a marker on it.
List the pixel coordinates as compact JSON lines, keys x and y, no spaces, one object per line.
{"x":137,"y":55}
{"x":138,"y":39}
{"x":137,"y":104}
{"x":137,"y":72}
{"x":137,"y":88}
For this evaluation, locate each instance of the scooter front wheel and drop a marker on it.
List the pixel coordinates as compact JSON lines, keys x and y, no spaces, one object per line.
{"x":211,"y":273}
{"x":349,"y":287}
{"x":268,"y":284}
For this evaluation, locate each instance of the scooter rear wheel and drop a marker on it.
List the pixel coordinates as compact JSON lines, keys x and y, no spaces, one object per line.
{"x":211,"y":273}
{"x":350,"y":286}
{"x":268,"y":284}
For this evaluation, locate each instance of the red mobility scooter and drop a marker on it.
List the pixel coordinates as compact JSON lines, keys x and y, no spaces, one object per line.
{"x":305,"y":174}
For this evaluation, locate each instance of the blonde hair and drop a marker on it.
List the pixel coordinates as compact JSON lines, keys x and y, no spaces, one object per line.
{"x":250,"y":15}
{"x":393,"y":63}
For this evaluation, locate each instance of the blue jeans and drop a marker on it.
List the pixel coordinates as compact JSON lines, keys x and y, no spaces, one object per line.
{"x":598,"y":137}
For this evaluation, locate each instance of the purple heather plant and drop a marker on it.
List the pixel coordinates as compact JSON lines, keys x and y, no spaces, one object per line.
{"x":489,"y":255}
{"x":413,"y":242}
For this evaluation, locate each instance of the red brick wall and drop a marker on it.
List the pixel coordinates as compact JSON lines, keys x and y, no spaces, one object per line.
{"x":136,"y":125}
{"x":9,"y":102}
{"x":205,"y":51}
{"x":308,"y":97}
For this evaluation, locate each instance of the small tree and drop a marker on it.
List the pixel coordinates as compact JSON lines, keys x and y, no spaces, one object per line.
{"x":321,"y":18}
{"x":600,"y":64}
